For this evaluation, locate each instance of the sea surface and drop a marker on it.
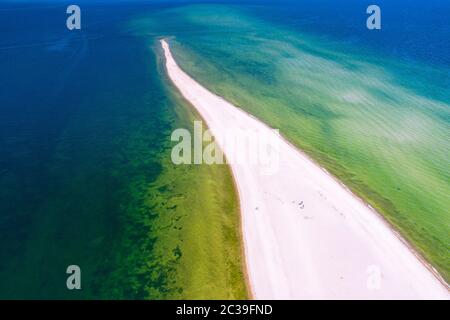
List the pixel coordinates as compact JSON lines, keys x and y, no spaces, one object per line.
{"x":86,"y":117}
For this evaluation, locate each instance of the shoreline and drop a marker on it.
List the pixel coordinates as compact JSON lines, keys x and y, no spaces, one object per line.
{"x":245,"y":212}
{"x":397,"y":233}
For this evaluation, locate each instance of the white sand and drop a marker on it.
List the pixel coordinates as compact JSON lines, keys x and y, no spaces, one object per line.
{"x":336,"y":247}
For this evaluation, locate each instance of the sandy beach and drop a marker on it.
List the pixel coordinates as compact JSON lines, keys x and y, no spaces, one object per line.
{"x":305,"y":235}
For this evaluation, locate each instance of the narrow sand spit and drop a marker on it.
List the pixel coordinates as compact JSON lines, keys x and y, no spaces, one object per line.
{"x":305,"y":235}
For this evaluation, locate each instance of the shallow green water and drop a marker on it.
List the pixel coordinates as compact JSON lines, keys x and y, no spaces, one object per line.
{"x":378,"y":123}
